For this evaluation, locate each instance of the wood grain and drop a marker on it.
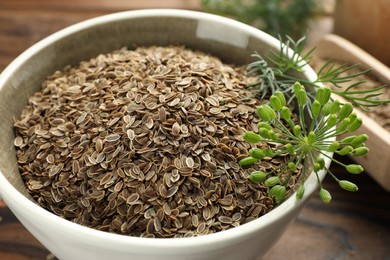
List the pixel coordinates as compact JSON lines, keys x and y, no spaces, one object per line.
{"x":353,"y":226}
{"x":93,"y":5}
{"x":24,"y":22}
{"x":365,"y":23}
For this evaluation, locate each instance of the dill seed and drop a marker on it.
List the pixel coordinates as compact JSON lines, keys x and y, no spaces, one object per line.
{"x":150,"y":151}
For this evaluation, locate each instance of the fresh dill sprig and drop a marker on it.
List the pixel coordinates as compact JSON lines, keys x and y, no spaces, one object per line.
{"x":277,"y":71}
{"x":306,"y":144}
{"x":298,"y":59}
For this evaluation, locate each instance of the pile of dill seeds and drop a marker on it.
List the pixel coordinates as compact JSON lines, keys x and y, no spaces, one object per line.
{"x":143,"y":142}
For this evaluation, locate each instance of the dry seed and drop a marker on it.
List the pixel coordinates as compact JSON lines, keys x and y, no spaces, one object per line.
{"x":57,"y":121}
{"x":150,"y":104}
{"x":184,"y":81}
{"x":167,"y":209}
{"x":183,"y":214}
{"x":50,"y":158}
{"x":127,"y":119}
{"x":157,"y":224}
{"x":177,"y":223}
{"x":132,"y":199}
{"x":225,"y":219}
{"x":226,"y":201}
{"x":150,"y":213}
{"x":175,"y":176}
{"x":174,"y":102}
{"x":206,"y":213}
{"x":162,"y":114}
{"x":172,"y":191}
{"x":236,"y":216}
{"x":117,"y":151}
{"x":184,"y":129}
{"x":97,"y":195}
{"x":130,"y":134}
{"x":213,"y":101}
{"x":190,"y":162}
{"x":205,"y":173}
{"x":195,"y":220}
{"x":150,"y":175}
{"x":118,"y":186}
{"x":206,"y":156}
{"x":91,"y":159}
{"x":202,"y":202}
{"x":106,"y":178}
{"x":55,"y":169}
{"x":215,"y":110}
{"x":113,"y":121}
{"x":149,"y":123}
{"x":257,"y":209}
{"x":177,"y":163}
{"x":175,"y":129}
{"x":81,"y":118}
{"x":100,"y":158}
{"x":185,"y":171}
{"x":85,"y":202}
{"x":113,"y":138}
{"x":194,"y":181}
{"x":112,"y":196}
{"x":201,"y":227}
{"x":150,"y":227}
{"x":265,"y":165}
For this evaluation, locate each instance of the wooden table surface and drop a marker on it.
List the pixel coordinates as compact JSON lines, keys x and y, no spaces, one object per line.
{"x":353,"y":226}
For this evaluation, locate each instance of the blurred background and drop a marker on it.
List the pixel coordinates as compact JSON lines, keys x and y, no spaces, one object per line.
{"x":364,"y":23}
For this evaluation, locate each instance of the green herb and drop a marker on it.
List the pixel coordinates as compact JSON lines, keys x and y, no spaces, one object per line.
{"x":277,"y":72}
{"x":305,"y":143}
{"x":276,"y":17}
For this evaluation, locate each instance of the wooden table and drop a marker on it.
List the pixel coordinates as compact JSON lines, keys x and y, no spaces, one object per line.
{"x":353,"y":226}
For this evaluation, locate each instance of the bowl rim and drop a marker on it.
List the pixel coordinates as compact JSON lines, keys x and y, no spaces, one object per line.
{"x":7,"y":191}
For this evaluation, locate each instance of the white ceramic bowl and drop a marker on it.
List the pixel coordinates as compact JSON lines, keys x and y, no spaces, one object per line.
{"x":230,"y":40}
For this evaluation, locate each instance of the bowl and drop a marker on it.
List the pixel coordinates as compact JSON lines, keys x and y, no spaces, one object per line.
{"x":231,"y":41}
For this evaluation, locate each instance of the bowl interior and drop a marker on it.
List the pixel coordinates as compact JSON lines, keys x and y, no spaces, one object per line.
{"x":228,"y":40}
